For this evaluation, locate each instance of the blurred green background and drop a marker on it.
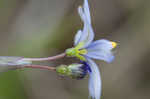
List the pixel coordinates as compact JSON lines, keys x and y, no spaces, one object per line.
{"x":41,"y":28}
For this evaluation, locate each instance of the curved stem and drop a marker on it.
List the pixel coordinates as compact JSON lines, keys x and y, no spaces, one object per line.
{"x":47,"y":58}
{"x":40,"y":67}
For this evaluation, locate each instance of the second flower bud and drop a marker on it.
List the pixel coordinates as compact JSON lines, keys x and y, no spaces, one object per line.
{"x":75,"y":71}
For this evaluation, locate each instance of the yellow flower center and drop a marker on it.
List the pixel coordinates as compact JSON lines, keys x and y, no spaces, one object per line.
{"x":83,"y":51}
{"x":114,"y":44}
{"x":77,"y":51}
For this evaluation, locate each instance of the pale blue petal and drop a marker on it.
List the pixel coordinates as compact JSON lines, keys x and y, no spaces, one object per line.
{"x":81,"y":13}
{"x":108,"y":57}
{"x":84,"y":12}
{"x":87,"y":11}
{"x":101,"y":50}
{"x":102,"y":44}
{"x":87,"y":34}
{"x":95,"y":84}
{"x":77,"y":37}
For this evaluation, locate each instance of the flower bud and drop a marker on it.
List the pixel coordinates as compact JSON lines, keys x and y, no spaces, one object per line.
{"x":75,"y":71}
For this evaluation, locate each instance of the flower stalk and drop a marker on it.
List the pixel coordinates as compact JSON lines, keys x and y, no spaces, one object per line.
{"x":39,"y":67}
{"x":47,"y":58}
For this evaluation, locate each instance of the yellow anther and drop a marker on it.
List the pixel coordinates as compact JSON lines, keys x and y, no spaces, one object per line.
{"x":83,"y":51}
{"x":114,"y":44}
{"x":80,"y":6}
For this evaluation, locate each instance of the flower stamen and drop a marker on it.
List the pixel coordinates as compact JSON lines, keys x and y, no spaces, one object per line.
{"x":114,"y":44}
{"x":83,"y":51}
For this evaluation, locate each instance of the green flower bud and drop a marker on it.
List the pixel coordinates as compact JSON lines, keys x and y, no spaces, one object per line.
{"x":75,"y":71}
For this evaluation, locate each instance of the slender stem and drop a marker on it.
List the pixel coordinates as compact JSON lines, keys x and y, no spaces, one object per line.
{"x":47,"y":58}
{"x":40,"y":67}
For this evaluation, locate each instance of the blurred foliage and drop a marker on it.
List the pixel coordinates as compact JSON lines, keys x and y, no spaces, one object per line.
{"x":10,"y":86}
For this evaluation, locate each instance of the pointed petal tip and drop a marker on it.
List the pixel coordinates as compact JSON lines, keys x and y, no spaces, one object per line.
{"x":87,"y":11}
